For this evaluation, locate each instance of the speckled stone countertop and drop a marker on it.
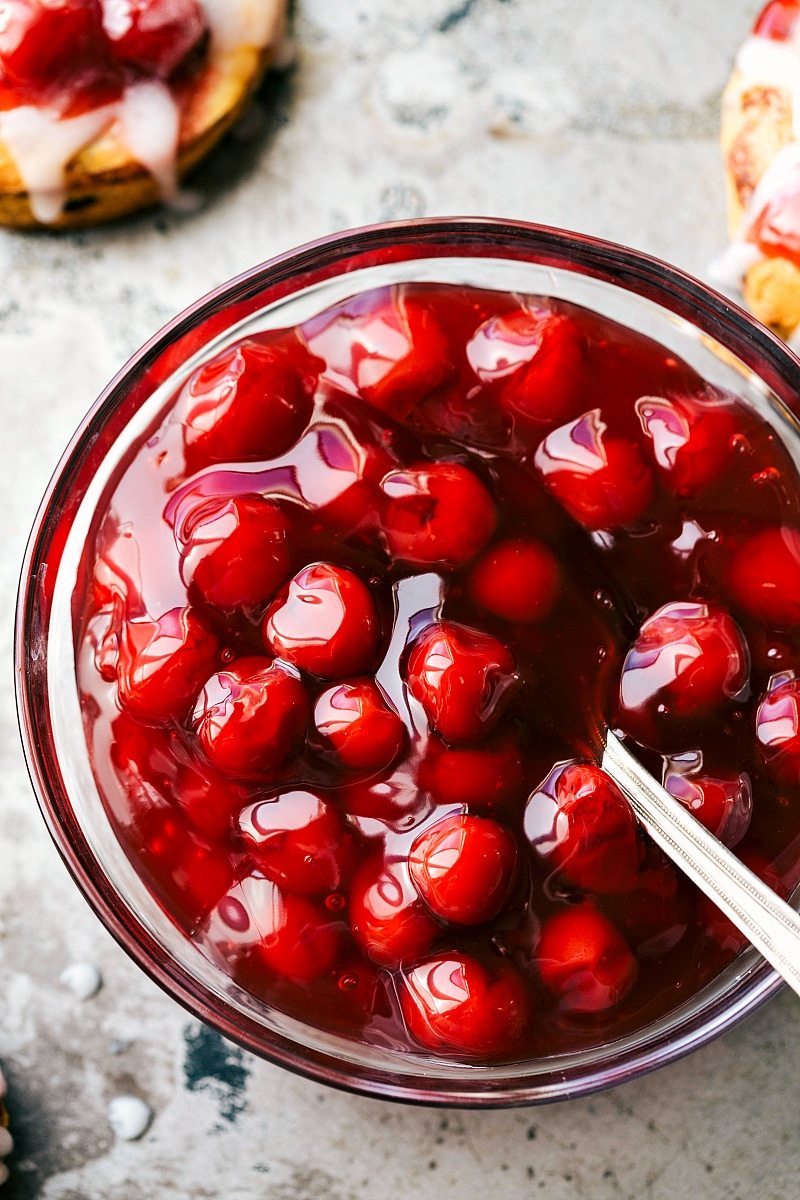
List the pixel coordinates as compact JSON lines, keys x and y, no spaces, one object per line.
{"x":597,"y":117}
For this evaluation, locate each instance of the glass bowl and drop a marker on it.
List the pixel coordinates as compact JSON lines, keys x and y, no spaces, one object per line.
{"x":717,"y":338}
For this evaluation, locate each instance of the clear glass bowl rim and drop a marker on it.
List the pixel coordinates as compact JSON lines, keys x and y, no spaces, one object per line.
{"x":671,"y":288}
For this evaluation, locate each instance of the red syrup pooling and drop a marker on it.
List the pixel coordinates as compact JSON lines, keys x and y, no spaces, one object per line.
{"x":354,"y":606}
{"x":75,"y":55}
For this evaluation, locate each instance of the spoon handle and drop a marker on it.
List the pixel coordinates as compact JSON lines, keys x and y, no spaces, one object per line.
{"x":767,"y":921}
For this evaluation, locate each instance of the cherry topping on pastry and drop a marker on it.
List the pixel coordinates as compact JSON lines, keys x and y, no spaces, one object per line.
{"x":584,"y":960}
{"x":463,"y":679}
{"x":236,"y":552}
{"x":777,"y":20}
{"x":600,"y":478}
{"x":251,"y":717}
{"x":47,"y":44}
{"x":439,"y":513}
{"x":463,"y":867}
{"x":356,"y":722}
{"x":453,"y":1002}
{"x":153,"y":35}
{"x":325,"y":622}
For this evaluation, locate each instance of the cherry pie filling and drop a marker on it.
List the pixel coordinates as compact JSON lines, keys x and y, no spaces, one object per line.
{"x":348,"y":618}
{"x":75,"y":55}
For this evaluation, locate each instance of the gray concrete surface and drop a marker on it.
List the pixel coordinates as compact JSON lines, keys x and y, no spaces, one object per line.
{"x":600,"y":117}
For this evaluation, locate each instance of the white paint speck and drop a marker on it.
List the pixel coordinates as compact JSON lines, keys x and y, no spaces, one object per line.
{"x":129,"y":1117}
{"x":83,"y":979}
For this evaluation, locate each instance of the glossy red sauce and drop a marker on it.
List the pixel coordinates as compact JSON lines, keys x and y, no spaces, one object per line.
{"x":350,"y":615}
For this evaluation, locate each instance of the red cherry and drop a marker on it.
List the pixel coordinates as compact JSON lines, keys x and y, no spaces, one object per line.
{"x":463,"y":679}
{"x":687,"y":662}
{"x":300,"y":842}
{"x":45,"y":44}
{"x":251,"y":717}
{"x":163,"y":664}
{"x":655,"y":914}
{"x":324,"y":622}
{"x":342,"y":479}
{"x":439,"y":513}
{"x":153,"y":36}
{"x":778,"y":729}
{"x":386,"y":346}
{"x":775,"y":228}
{"x":189,"y":874}
{"x":690,"y":439}
{"x":536,"y":359}
{"x":236,"y":551}
{"x":764,"y":576}
{"x":584,"y":960}
{"x":454,"y":1003}
{"x":208,"y":801}
{"x":252,"y":401}
{"x":518,"y":579}
{"x":389,"y":920}
{"x":464,"y":868}
{"x":393,"y":800}
{"x":356,"y":722}
{"x":722,"y":803}
{"x":777,"y":20}
{"x":582,"y":825}
{"x":600,"y":478}
{"x":489,"y":777}
{"x":152,"y":761}
{"x":293,"y":936}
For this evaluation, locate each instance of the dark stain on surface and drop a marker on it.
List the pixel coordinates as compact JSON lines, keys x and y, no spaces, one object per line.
{"x":214,"y":1065}
{"x":457,"y":15}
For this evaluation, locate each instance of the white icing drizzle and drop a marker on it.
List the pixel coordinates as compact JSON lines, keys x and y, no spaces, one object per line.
{"x":773,"y":64}
{"x":150,"y":126}
{"x":147,"y":117}
{"x":42,"y":144}
{"x":728,"y":269}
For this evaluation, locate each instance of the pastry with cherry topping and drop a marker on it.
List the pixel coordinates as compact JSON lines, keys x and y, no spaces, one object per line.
{"x":761,"y":151}
{"x":105,"y":105}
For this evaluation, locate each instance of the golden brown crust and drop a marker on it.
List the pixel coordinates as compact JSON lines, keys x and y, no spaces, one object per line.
{"x":104,"y":182}
{"x":756,"y":125}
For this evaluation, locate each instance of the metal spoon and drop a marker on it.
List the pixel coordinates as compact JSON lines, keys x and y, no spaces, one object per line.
{"x":768,"y":922}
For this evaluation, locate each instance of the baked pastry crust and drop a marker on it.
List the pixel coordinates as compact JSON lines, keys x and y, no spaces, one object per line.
{"x":104,"y":181}
{"x":756,"y":126}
